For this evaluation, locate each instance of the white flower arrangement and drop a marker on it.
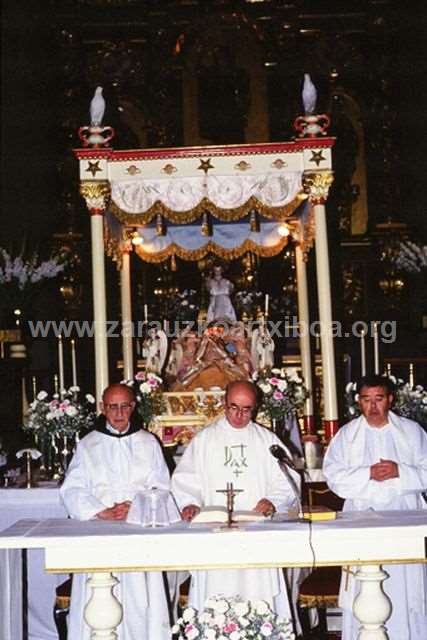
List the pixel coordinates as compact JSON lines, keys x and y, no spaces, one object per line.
{"x":232,"y":619}
{"x":283,"y":394}
{"x":62,"y":415}
{"x":148,"y":392}
{"x":183,"y":305}
{"x":409,"y":401}
{"x":24,"y":272}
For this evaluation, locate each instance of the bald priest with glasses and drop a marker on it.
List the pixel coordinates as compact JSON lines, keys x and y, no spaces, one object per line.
{"x":234,"y":449}
{"x":111,"y":464}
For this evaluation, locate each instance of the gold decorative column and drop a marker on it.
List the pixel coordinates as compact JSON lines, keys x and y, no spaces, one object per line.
{"x":126,"y":304}
{"x":96,"y":195}
{"x":304,"y":335}
{"x":316,"y":185}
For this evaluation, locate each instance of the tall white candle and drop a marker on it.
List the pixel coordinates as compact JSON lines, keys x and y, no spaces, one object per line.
{"x":145,"y":312}
{"x":34,"y":383}
{"x":266,"y":303}
{"x":362,"y":353}
{"x":73,"y":362}
{"x":61,"y":364}
{"x":376,"y":349}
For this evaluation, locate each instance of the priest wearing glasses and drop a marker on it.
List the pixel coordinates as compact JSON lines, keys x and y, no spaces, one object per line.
{"x":234,"y":449}
{"x":111,"y":464}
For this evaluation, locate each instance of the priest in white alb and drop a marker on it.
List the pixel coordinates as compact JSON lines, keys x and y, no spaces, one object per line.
{"x":234,"y":449}
{"x":111,"y":464}
{"x":379,"y":461}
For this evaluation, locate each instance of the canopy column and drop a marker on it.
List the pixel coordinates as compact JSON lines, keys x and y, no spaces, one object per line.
{"x":96,"y":195}
{"x":126,"y":305}
{"x":304,"y":335}
{"x":317,"y":185}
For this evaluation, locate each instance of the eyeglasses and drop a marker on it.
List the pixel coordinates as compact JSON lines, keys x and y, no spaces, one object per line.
{"x":115,"y":408}
{"x":244,"y":411}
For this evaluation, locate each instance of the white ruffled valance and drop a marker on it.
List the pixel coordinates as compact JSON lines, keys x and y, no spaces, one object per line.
{"x":225,"y":192}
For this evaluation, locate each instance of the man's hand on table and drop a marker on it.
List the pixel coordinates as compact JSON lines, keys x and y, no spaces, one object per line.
{"x":189,"y":512}
{"x":265,"y":507}
{"x":384,"y":470}
{"x":119,"y":511}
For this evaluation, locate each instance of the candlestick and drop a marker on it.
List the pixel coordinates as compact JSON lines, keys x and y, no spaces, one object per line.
{"x":34,"y":384}
{"x":376,"y":350}
{"x":55,"y":383}
{"x":74,"y":362}
{"x":266,"y":304}
{"x":362,"y":353}
{"x":145,"y":312}
{"x":61,"y":364}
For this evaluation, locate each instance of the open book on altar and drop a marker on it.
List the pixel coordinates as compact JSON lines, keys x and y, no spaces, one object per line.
{"x":219,"y":514}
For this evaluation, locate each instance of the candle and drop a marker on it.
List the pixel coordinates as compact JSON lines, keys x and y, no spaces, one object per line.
{"x":74,"y":362}
{"x":145,"y":312}
{"x":266,"y":304}
{"x":411,"y":374}
{"x":33,"y":380}
{"x":376,"y":350}
{"x":61,"y":364}
{"x":362,"y":353}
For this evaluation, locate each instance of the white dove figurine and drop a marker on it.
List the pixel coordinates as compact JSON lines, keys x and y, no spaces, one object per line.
{"x":97,"y":108}
{"x":309,"y":95}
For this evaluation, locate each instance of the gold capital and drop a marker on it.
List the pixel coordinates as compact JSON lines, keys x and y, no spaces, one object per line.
{"x":317,"y":184}
{"x":96,"y":193}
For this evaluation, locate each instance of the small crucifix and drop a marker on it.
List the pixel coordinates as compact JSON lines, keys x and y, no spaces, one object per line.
{"x":230,"y":492}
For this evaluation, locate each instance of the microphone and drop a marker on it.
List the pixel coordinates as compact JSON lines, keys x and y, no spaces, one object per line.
{"x":281,"y":455}
{"x":285,"y":463}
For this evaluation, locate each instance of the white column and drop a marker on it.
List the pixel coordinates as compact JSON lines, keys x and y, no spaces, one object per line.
{"x":96,"y":195}
{"x":126,"y":304}
{"x":103,"y":613}
{"x":317,"y":184}
{"x":304,"y":334}
{"x":372,"y":607}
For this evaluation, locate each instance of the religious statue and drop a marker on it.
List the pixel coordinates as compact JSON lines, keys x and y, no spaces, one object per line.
{"x":213,"y":364}
{"x":262,"y":348}
{"x":155,"y":349}
{"x":220,"y":290}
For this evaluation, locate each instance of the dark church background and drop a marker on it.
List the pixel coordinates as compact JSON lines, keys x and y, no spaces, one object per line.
{"x":179,"y":73}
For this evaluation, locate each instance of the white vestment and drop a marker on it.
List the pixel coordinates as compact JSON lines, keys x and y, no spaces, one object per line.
{"x":346,"y":466}
{"x":217,"y":455}
{"x":104,"y":470}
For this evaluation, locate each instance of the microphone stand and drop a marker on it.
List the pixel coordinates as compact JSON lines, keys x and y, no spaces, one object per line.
{"x":284,"y":467}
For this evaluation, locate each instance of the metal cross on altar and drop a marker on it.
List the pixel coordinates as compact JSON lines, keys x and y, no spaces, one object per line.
{"x":230,"y":492}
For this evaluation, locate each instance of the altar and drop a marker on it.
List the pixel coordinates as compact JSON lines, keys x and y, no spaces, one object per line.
{"x":367,"y":539}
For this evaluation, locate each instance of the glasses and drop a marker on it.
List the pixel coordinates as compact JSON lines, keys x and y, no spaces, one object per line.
{"x":244,"y":411}
{"x":115,"y":408}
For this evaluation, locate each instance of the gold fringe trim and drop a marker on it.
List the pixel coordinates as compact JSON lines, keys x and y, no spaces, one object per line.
{"x":212,"y":247}
{"x":228,"y":215}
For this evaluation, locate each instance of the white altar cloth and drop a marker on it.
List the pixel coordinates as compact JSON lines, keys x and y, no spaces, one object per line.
{"x":356,"y":538}
{"x":16,"y":504}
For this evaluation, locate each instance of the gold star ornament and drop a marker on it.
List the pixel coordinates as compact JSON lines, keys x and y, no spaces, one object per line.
{"x":93,"y":167}
{"x":317,"y":157}
{"x":205,"y":165}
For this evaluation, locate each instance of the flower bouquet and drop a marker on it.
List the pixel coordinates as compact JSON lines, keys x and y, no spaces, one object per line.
{"x":232,"y":619}
{"x":249,"y":303}
{"x":148,"y":392}
{"x":63,"y":415}
{"x":21,"y":279}
{"x":283,"y":394}
{"x":56,"y":424}
{"x":409,"y":401}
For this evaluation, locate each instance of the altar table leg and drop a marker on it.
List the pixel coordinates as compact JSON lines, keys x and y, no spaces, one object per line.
{"x":103,"y":612}
{"x":372,"y":607}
